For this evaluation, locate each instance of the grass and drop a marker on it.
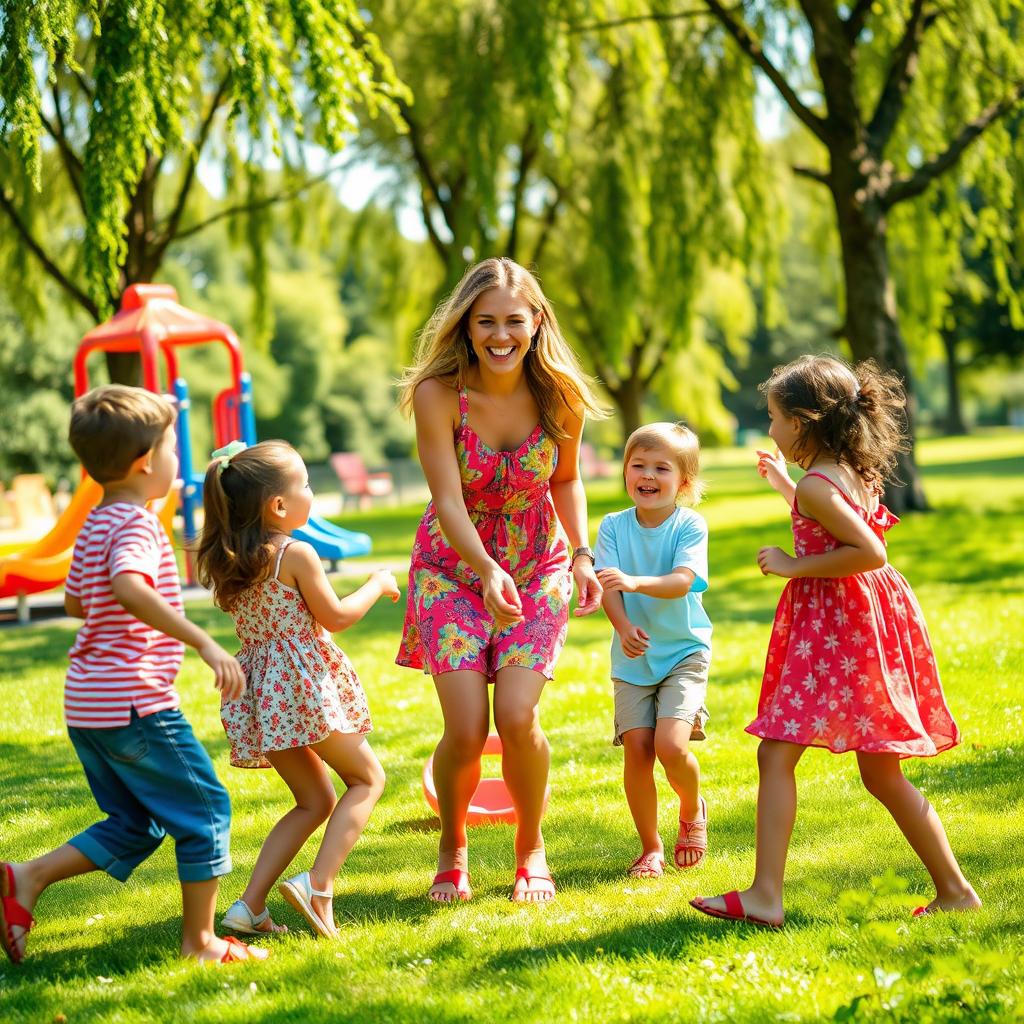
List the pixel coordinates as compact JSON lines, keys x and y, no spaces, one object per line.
{"x":609,"y":949}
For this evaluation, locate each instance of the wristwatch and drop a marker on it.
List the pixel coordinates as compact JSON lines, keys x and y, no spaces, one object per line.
{"x":583,"y":550}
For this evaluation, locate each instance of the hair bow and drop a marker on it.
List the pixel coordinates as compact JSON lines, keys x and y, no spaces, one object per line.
{"x":227,"y":453}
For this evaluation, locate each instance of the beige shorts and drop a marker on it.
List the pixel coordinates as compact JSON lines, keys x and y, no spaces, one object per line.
{"x":681,"y":694}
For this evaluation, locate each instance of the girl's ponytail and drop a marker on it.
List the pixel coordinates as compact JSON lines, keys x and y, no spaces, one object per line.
{"x":857,"y":415}
{"x":234,"y":549}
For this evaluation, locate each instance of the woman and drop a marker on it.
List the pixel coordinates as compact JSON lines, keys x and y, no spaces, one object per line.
{"x":499,"y":401}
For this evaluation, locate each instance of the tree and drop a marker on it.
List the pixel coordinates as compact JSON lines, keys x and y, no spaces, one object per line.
{"x":618,"y":175}
{"x":897,"y":95}
{"x":668,"y":187}
{"x":107,"y":109}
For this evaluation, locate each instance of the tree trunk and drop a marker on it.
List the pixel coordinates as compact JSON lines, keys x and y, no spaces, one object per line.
{"x":955,"y":424}
{"x":872,"y":327}
{"x":629,"y":400}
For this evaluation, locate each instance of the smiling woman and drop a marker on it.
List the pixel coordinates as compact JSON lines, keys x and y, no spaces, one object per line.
{"x":499,"y":401}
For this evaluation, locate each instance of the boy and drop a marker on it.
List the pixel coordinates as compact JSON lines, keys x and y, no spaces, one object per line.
{"x":652,"y":560}
{"x":145,"y":768}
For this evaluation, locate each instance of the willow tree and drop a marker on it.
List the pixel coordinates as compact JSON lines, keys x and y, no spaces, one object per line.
{"x":489,"y":95}
{"x":668,"y":189}
{"x":899,"y":97}
{"x":107,"y":108}
{"x":620,"y":176}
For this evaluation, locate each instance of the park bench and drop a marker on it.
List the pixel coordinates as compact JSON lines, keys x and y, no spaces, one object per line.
{"x":357,"y":482}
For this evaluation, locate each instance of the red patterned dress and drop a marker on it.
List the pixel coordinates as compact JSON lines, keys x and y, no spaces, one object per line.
{"x":299,"y":685}
{"x":850,"y":665}
{"x":508,"y":498}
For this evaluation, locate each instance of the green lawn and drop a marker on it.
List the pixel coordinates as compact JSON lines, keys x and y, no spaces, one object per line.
{"x":609,"y":948}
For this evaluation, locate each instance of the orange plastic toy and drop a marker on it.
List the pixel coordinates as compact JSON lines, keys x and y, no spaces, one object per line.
{"x":491,"y":803}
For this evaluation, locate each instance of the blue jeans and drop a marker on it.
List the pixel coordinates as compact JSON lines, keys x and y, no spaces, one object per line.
{"x":152,"y":777}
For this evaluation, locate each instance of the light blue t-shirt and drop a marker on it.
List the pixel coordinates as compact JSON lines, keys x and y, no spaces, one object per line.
{"x":677,"y":626}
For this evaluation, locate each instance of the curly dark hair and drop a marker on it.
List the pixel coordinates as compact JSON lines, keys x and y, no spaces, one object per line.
{"x":855,"y":414}
{"x":235,"y":548}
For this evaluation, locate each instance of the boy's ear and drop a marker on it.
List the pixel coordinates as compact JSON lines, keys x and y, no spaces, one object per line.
{"x":143,"y":464}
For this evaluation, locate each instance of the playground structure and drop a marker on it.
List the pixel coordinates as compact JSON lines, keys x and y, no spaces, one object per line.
{"x":491,"y":802}
{"x":152,"y":323}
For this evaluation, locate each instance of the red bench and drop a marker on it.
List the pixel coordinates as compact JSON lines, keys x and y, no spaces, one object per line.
{"x":357,"y":481}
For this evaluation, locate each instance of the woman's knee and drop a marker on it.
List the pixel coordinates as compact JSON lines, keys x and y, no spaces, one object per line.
{"x":463,"y":741}
{"x":519,"y":726}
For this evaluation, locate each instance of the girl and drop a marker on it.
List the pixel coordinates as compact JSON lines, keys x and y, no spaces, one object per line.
{"x":303,"y":707}
{"x":850,"y":665}
{"x":652,"y":562}
{"x":499,"y":400}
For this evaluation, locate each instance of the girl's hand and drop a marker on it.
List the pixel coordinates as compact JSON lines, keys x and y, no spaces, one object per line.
{"x":501,"y":598}
{"x":588,"y":586}
{"x":385,"y":579}
{"x":775,"y":562}
{"x":634,"y":641}
{"x":773,"y":469}
{"x":616,"y":579}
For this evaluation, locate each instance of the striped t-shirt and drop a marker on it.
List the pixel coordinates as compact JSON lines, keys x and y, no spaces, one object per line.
{"x":117,"y":662}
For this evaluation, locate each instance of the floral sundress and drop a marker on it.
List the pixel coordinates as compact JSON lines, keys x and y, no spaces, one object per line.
{"x":508,"y":497}
{"x":299,"y":685}
{"x":850,"y":665}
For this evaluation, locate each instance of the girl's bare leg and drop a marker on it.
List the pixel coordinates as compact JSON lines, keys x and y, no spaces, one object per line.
{"x":306,"y":777}
{"x":776,"y":814}
{"x":884,"y":779}
{"x":353,"y":760}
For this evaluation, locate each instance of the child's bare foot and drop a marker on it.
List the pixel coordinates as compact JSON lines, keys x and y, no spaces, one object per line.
{"x":225,"y":951}
{"x":966,"y":899}
{"x":650,"y":864}
{"x":451,"y":883}
{"x":748,"y":905}
{"x":692,"y":842}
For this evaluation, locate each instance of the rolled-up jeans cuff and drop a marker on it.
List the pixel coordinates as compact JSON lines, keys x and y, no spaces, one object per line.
{"x":101,"y":857}
{"x":205,"y":870}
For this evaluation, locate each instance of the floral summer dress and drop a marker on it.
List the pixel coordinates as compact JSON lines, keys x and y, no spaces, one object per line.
{"x":850,"y":665}
{"x":508,"y":498}
{"x":299,"y":685}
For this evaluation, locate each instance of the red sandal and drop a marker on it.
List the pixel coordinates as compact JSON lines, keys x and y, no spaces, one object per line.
{"x":12,"y":915}
{"x":525,"y":875}
{"x":456,"y":877}
{"x":233,"y":955}
{"x":733,"y":910}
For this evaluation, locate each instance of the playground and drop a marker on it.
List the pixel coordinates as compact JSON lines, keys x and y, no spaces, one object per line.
{"x":609,"y":948}
{"x":152,"y":324}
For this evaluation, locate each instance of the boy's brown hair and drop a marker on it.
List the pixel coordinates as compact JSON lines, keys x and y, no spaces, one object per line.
{"x":682,"y":442}
{"x":113,"y":425}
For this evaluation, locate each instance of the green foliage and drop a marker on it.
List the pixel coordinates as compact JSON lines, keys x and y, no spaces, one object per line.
{"x":133,"y":93}
{"x":35,"y":367}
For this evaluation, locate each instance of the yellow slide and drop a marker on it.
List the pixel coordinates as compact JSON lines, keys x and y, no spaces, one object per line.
{"x":44,"y":564}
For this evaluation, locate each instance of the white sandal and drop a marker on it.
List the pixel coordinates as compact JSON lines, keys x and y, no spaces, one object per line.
{"x":299,"y":892}
{"x":241,"y":919}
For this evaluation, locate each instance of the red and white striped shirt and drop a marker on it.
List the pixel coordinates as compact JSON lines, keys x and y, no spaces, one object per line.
{"x":117,"y":662}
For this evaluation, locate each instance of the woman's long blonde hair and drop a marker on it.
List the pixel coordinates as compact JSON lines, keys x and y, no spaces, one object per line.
{"x":553,"y":372}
